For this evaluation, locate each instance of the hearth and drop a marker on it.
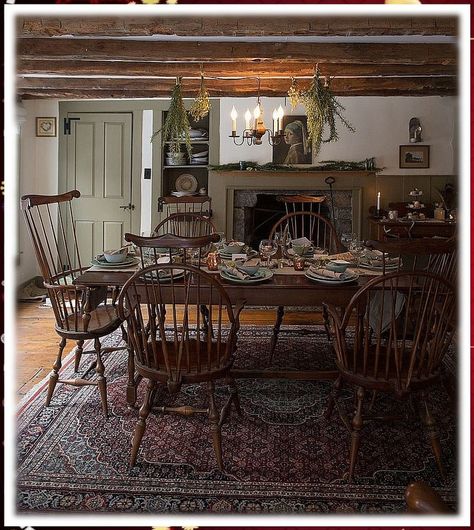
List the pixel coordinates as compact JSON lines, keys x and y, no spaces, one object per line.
{"x":256,"y":211}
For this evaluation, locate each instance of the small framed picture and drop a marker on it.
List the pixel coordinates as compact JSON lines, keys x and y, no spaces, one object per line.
{"x":414,"y":156}
{"x":294,"y":148}
{"x":45,"y":126}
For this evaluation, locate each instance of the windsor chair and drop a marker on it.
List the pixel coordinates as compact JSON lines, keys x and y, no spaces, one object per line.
{"x":392,"y":338}
{"x":199,"y":204}
{"x":81,"y":313}
{"x":170,"y":348}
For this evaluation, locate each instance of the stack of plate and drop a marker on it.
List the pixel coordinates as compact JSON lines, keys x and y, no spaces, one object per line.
{"x":261,"y":275}
{"x":165,"y":276}
{"x":198,"y":133}
{"x":100,"y":261}
{"x":391,"y":264}
{"x":309,"y":254}
{"x":228,"y":256}
{"x":344,"y":277}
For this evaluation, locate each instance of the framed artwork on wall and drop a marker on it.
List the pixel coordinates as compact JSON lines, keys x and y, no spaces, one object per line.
{"x":414,"y":156}
{"x":293,"y":149}
{"x":45,"y":126}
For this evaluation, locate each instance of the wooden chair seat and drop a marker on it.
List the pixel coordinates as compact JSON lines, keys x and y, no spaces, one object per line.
{"x":103,"y":320}
{"x":209,"y":367}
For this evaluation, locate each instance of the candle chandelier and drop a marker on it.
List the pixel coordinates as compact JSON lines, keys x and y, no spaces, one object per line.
{"x":252,"y":135}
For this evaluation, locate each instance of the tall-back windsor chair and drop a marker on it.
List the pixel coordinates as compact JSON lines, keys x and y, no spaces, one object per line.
{"x":170,"y":347}
{"x":392,"y":338}
{"x":81,"y":313}
{"x":199,"y":204}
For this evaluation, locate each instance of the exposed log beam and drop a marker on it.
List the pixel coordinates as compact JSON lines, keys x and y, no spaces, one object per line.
{"x":216,"y":69}
{"x":220,"y":88}
{"x":236,"y":26}
{"x":352,"y":53}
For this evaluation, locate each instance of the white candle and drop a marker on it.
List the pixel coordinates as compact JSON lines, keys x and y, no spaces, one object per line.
{"x":247,"y":117}
{"x":275,"y":121}
{"x":256,"y":115}
{"x":233,"y":115}
{"x":378,"y":200}
{"x":280,"y":118}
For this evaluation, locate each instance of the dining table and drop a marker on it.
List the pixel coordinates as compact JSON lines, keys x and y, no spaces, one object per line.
{"x":286,"y":287}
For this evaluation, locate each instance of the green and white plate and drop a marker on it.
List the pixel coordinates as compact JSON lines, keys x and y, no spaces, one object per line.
{"x":331,"y":281}
{"x":250,"y":254}
{"x":165,"y":278}
{"x":127,"y":262}
{"x":261,"y":275}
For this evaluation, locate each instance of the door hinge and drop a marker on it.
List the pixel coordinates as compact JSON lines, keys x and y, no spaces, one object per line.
{"x":67,"y":124}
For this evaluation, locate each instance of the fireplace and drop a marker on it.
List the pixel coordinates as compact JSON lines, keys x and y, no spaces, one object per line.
{"x":256,"y":211}
{"x":235,"y":196}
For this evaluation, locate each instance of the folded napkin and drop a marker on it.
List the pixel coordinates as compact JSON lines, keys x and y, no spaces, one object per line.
{"x":327,"y":273}
{"x":241,"y":275}
{"x":301,"y":241}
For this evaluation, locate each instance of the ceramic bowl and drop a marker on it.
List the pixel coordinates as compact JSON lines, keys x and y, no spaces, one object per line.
{"x":234,"y":247}
{"x":115,"y":258}
{"x":337,"y":265}
{"x":249,"y":269}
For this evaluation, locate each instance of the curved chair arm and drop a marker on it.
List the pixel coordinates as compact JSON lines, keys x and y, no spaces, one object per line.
{"x":420,"y":498}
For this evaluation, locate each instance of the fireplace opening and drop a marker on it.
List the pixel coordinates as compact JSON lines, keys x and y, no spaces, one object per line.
{"x":256,"y":211}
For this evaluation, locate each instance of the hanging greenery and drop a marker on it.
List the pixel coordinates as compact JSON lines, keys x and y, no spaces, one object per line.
{"x":322,"y":108}
{"x":176,"y":128}
{"x":201,"y":105}
{"x":294,"y":93}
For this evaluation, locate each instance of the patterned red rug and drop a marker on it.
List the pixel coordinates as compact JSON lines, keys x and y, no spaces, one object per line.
{"x":281,"y":456}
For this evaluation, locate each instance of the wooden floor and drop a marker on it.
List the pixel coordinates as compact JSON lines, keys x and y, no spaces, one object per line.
{"x":37,"y":342}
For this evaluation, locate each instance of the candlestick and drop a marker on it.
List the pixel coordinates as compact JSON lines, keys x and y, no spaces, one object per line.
{"x":275,"y":121}
{"x":378,"y":201}
{"x":233,"y":115}
{"x":247,"y":117}
{"x":256,"y":115}
{"x":280,"y":118}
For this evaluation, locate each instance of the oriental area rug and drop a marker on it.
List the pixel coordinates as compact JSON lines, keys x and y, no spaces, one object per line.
{"x":281,"y":455}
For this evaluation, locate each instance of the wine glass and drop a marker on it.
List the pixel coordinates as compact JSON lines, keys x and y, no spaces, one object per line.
{"x":355,"y":248}
{"x":267,"y":248}
{"x":346,"y":239}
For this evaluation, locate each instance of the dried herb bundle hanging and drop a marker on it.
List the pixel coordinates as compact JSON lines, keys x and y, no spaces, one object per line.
{"x":322,"y":108}
{"x":176,"y":128}
{"x":294,"y":93}
{"x":201,"y":105}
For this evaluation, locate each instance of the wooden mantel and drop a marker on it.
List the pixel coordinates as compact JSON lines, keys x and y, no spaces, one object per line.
{"x":223,"y":184}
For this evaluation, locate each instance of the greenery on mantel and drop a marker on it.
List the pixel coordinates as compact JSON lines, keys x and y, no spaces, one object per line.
{"x":328,"y":165}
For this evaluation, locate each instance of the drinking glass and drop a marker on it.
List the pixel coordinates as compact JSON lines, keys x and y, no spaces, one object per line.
{"x":267,"y":248}
{"x":356,"y":248}
{"x":346,"y":239}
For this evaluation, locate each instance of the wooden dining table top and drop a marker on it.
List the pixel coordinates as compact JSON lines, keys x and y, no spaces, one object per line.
{"x":281,"y":289}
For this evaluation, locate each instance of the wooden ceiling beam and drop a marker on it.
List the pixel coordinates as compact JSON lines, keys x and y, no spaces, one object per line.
{"x":288,"y":25}
{"x":353,"y":53}
{"x":221,"y":69}
{"x":234,"y":88}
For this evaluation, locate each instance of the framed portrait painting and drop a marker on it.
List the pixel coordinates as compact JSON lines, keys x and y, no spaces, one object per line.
{"x":293,"y":149}
{"x":414,"y":156}
{"x":46,"y":126}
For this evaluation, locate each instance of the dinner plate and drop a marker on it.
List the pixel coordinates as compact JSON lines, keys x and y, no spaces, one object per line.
{"x":224,"y":255}
{"x":330,"y":281}
{"x":165,"y":278}
{"x":306,"y":255}
{"x":261,"y":276}
{"x":182,"y":193}
{"x":379,"y":267}
{"x":128,"y":262}
{"x":186,"y":182}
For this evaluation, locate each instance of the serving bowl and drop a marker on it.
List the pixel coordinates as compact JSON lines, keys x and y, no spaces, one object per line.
{"x":233,"y":247}
{"x":337,"y":265}
{"x":112,"y":256}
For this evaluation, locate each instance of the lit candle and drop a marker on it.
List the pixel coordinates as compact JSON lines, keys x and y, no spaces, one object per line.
{"x":378,"y":200}
{"x":275,"y":121}
{"x":256,"y":115}
{"x":248,"y":117}
{"x":233,"y":115}
{"x":280,"y":118}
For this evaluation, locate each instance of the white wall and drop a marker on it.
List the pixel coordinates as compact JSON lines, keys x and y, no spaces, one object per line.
{"x":38,"y":173}
{"x":381,"y":127}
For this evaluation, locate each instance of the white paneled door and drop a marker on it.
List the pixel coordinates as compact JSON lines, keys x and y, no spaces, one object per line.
{"x":99,"y":165}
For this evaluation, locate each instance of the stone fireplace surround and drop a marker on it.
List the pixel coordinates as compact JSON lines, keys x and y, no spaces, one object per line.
{"x":231,"y":190}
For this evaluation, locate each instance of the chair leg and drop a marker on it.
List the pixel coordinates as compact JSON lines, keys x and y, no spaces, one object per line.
{"x":357,"y":422}
{"x":78,"y":355}
{"x":215,"y":427}
{"x":276,"y":329}
{"x":430,"y":424}
{"x":101,"y":381}
{"x":234,"y":394}
{"x":141,"y":423}
{"x":131,"y":383}
{"x":54,"y":375}
{"x":327,"y":327}
{"x":335,"y":391}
